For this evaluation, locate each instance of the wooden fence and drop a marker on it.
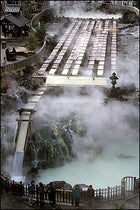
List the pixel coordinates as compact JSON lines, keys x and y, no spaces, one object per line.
{"x":65,"y":196}
{"x":25,"y":62}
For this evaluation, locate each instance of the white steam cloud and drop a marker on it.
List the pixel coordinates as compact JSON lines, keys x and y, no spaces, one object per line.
{"x":79,"y":10}
{"x":113,"y":126}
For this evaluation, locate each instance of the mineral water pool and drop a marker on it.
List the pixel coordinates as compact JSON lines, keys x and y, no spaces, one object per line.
{"x":107,"y":170}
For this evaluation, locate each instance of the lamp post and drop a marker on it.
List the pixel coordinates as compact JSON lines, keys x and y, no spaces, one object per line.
{"x":3,"y":44}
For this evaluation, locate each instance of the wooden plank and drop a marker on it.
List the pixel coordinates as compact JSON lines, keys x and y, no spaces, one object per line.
{"x":100,"y":67}
{"x":65,"y":71}
{"x":75,"y":69}
{"x":22,"y":136}
{"x":52,"y":71}
{"x":100,"y":73}
{"x":30,"y":105}
{"x":34,"y":98}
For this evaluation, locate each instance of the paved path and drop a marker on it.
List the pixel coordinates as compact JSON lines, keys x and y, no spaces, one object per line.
{"x":76,"y":80}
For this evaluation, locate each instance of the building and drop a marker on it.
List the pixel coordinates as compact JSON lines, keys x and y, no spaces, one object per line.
{"x":13,"y":23}
{"x":13,"y":26}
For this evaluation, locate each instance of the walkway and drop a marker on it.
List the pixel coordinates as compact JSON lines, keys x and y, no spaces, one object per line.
{"x":74,"y":80}
{"x":8,"y":201}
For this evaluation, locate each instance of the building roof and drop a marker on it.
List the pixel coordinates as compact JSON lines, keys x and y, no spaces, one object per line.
{"x":18,"y":21}
{"x":12,"y":8}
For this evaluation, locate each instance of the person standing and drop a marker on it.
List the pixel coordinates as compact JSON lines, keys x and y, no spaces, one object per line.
{"x":31,"y":190}
{"x":41,"y":194}
{"x":90,"y":195}
{"x":76,"y":194}
{"x":14,"y":53}
{"x":7,"y":53}
{"x":51,"y":194}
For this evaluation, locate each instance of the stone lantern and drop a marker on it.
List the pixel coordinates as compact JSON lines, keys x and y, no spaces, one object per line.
{"x":113,"y":79}
{"x":114,"y":92}
{"x":4,"y":44}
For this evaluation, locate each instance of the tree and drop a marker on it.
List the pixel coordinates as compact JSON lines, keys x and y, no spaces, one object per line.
{"x":27,"y":10}
{"x":137,"y":4}
{"x":31,"y":41}
{"x":40,"y":34}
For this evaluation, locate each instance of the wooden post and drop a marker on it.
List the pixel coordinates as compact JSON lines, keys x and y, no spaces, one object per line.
{"x":63,"y":195}
{"x":135,"y":184}
{"x":108,"y":192}
{"x":123,"y":187}
{"x":99,"y":194}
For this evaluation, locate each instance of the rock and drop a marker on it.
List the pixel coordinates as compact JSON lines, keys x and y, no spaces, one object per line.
{"x":34,"y":170}
{"x":130,"y":17}
{"x":125,"y":156}
{"x":61,"y":185}
{"x":82,"y":186}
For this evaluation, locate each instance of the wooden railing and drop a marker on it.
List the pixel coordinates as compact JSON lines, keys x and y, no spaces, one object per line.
{"x":26,"y":62}
{"x":65,"y":196}
{"x":36,"y":18}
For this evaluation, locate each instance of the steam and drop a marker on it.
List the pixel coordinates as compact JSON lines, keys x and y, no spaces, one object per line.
{"x":77,"y":10}
{"x":128,"y":71}
{"x":98,"y":118}
{"x":7,"y":144}
{"x":114,"y":127}
{"x":128,"y":56}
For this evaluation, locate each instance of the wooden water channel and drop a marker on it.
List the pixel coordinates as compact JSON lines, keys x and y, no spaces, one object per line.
{"x":25,"y":119}
{"x":80,"y":56}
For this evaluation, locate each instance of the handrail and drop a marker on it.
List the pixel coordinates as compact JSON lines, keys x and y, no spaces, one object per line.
{"x":37,"y":16}
{"x":65,"y":196}
{"x":25,"y":62}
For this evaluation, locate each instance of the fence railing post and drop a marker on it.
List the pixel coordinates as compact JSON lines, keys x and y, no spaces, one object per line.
{"x":99,"y":194}
{"x":108,"y":193}
{"x":21,"y":189}
{"x":72,"y":201}
{"x":63,"y":196}
{"x":135,"y":184}
{"x":123,"y":187}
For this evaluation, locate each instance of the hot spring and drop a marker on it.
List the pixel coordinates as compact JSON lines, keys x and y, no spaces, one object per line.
{"x":101,"y":140}
{"x":112,"y":127}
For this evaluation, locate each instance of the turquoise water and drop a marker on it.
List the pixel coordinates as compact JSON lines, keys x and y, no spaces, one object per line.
{"x":114,"y":127}
{"x":106,"y":170}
